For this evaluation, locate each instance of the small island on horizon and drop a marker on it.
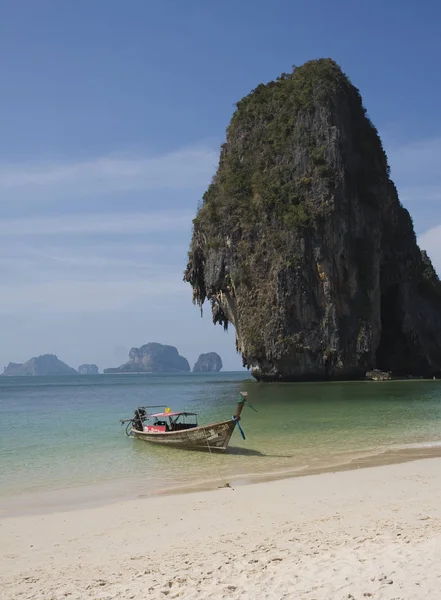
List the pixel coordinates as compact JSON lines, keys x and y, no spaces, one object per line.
{"x":149,"y":358}
{"x":46,"y":364}
{"x":210,"y":362}
{"x":88,"y":369}
{"x":153,"y":358}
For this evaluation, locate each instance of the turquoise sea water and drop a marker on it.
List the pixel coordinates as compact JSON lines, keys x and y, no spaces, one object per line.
{"x":61,"y":442}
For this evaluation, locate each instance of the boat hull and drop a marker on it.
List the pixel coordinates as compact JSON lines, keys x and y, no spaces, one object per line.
{"x":206,"y":437}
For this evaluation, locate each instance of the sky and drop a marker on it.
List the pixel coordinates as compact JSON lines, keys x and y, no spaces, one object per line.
{"x":112,"y":113}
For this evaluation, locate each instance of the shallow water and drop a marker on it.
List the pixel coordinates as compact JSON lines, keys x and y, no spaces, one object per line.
{"x":61,"y":442}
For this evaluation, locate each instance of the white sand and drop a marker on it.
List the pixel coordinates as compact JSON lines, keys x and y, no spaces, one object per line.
{"x":369,"y":533}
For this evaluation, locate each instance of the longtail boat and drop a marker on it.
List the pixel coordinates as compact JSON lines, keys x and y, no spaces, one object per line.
{"x":181,"y":429}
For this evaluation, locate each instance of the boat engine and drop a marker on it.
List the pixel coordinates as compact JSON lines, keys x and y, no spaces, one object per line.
{"x":140,"y":414}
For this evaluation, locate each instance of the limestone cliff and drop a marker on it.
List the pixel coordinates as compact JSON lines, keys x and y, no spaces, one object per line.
{"x":153,"y":358}
{"x":301,"y":242}
{"x":46,"y":364}
{"x":210,"y":362}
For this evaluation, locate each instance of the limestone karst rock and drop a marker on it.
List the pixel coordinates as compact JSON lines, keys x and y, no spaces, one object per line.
{"x":153,"y":358}
{"x":87,"y":369}
{"x":46,"y":364}
{"x":301,"y":242}
{"x":210,"y":362}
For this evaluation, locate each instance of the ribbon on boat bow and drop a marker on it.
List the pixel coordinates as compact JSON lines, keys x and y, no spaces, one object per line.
{"x":240,"y":428}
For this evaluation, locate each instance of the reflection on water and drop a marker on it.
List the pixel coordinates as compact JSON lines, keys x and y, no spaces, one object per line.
{"x":64,"y":433}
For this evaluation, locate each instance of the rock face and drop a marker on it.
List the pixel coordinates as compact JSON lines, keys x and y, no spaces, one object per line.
{"x":88,"y":370}
{"x":301,"y":242}
{"x":153,"y":358}
{"x":377,"y":375}
{"x":47,"y":364}
{"x":208,"y":363}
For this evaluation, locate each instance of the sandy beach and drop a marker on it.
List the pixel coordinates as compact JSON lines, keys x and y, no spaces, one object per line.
{"x":366,"y":533}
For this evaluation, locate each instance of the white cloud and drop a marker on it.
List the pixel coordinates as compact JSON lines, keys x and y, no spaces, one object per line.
{"x":82,"y":296}
{"x":91,"y":255}
{"x":59,"y":259}
{"x":89,"y":263}
{"x":101,"y":223}
{"x":92,"y":252}
{"x":182,"y":169}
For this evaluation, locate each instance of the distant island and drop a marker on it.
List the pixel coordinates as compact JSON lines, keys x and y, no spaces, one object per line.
{"x":46,"y":364}
{"x":88,"y":369}
{"x":210,"y":362}
{"x":153,"y":358}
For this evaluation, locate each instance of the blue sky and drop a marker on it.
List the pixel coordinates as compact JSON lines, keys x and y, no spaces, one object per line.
{"x":111,"y":117}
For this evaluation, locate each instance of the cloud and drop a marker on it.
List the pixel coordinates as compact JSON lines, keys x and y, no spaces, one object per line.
{"x":59,"y":280}
{"x":188,"y":168}
{"x":83,"y":296}
{"x":94,"y":255}
{"x":56,"y":258}
{"x":19,"y":255}
{"x":91,"y":263}
{"x":96,"y":224}
{"x":85,"y":266}
{"x":49,"y":259}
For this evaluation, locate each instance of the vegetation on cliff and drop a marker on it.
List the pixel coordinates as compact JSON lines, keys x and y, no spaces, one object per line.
{"x":302,"y":244}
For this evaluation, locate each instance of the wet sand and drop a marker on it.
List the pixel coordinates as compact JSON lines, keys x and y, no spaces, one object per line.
{"x":95,"y":496}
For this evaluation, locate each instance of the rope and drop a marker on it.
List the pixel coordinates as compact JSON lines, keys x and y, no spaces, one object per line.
{"x":226,"y":484}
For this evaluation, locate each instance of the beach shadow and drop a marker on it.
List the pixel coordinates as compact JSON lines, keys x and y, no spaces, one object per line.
{"x":250,"y":452}
{"x":141,"y":447}
{"x":237,"y":451}
{"x":244,"y":451}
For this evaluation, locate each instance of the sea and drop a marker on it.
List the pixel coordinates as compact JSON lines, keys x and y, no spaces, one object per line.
{"x":62,"y":444}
